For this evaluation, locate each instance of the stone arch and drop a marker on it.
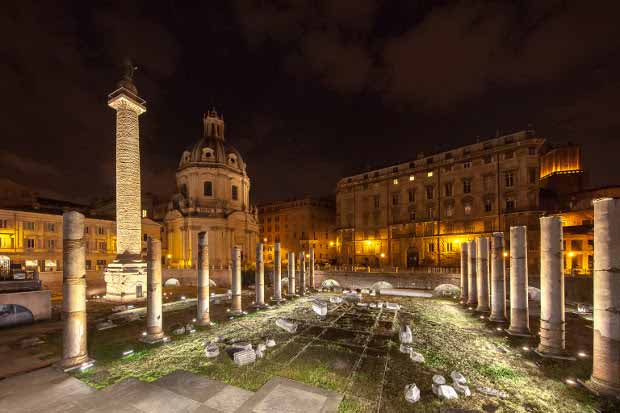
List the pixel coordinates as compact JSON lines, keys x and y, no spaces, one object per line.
{"x":14,"y":314}
{"x":330,"y":284}
{"x":172,"y":282}
{"x":381,"y":285}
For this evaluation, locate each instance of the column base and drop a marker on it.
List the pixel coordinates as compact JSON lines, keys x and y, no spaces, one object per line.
{"x":154,"y":339}
{"x":75,"y":363}
{"x":125,"y":279}
{"x":498,"y":319}
{"x":601,"y":388}
{"x":471,"y":304}
{"x":480,"y":309}
{"x":519,"y":333}
{"x":554,"y":355}
{"x":278,"y":300}
{"x":291,"y":296}
{"x":204,"y":323}
{"x":236,"y":313}
{"x":261,"y":306}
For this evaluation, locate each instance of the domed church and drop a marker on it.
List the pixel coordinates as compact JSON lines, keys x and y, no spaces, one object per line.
{"x":213,"y":194}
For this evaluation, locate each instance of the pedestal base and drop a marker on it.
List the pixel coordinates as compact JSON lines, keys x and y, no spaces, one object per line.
{"x":125,"y":281}
{"x":259,"y":306}
{"x":557,"y":356}
{"x":519,"y":333}
{"x":498,"y":320}
{"x":600,"y":389}
{"x":278,"y":301}
{"x":154,"y":340}
{"x":67,"y":365}
{"x":205,"y":324}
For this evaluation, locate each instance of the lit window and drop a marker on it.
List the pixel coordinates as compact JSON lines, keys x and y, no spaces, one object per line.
{"x":429,"y":173}
{"x":144,"y":213}
{"x":412,"y":178}
{"x":395,"y":182}
{"x":467,"y":209}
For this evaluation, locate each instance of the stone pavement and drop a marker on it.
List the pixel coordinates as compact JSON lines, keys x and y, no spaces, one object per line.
{"x":50,"y":390}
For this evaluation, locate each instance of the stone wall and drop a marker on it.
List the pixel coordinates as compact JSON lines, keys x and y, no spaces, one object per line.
{"x":189,"y":276}
{"x":397,"y":280}
{"x":52,"y":280}
{"x":38,"y":302}
{"x":577,"y":289}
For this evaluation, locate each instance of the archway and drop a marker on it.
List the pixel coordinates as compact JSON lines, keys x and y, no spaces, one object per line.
{"x":13,"y":314}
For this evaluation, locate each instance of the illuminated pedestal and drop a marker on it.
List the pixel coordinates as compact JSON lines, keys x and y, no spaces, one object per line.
{"x":125,"y":281}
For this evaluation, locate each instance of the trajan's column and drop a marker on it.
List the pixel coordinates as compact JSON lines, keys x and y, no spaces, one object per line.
{"x":126,"y":277}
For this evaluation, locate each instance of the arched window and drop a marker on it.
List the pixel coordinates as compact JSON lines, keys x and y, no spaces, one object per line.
{"x":208,"y":188}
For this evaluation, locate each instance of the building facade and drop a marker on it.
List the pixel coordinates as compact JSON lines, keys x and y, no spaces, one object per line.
{"x":298,"y":225}
{"x":213,"y":195}
{"x":416,"y":214}
{"x":32,"y":240}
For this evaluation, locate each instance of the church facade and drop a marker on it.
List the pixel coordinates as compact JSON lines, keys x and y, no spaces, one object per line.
{"x":213,"y":195}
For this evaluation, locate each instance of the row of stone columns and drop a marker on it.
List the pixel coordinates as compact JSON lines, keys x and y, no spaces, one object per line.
{"x":605,"y":377}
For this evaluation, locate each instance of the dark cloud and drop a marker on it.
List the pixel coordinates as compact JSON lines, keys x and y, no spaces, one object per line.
{"x":311,"y":90}
{"x":59,"y":61}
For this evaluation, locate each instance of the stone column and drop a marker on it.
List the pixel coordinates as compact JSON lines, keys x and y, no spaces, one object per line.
{"x":291,"y":274}
{"x":277,"y":273}
{"x":552,"y":318}
{"x":606,"y":349}
{"x":236,"y":282}
{"x":302,"y":273}
{"x":202,"y":310}
{"x":498,"y":279}
{"x":482,"y":273}
{"x":472,"y":288}
{"x":125,"y":277}
{"x":259,"y":282}
{"x":311,"y":269}
{"x":129,"y":106}
{"x":464,"y":271}
{"x":519,"y":313}
{"x":74,"y":351}
{"x":154,"y":331}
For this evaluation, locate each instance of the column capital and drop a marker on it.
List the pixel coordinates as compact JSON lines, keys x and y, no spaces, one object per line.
{"x":123,"y":98}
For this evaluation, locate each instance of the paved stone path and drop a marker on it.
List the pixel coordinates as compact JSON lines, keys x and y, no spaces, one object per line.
{"x":50,"y":390}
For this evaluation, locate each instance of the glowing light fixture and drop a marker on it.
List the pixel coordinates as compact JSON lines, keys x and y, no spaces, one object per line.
{"x":505,"y":254}
{"x":411,"y":178}
{"x":571,"y":254}
{"x":395,"y":181}
{"x":429,"y":173}
{"x":382,"y":255}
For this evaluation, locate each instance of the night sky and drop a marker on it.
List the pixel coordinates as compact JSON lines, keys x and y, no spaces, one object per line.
{"x":311,"y":91}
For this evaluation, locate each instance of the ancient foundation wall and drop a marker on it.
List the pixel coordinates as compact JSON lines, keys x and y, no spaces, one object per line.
{"x":39,"y":303}
{"x":577,"y":289}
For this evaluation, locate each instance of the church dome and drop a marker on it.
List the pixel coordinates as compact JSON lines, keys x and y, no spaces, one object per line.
{"x":211,"y":149}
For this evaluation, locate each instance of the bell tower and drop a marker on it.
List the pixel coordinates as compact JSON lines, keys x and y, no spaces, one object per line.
{"x":213,"y":125}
